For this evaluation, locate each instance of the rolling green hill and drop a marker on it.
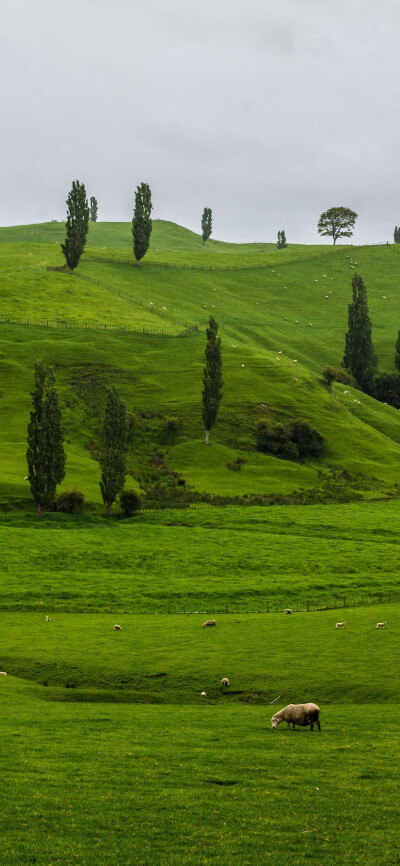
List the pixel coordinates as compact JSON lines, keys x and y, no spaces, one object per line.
{"x":282,"y":317}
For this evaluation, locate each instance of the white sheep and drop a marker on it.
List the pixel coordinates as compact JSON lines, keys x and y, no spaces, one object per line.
{"x":288,"y":610}
{"x":47,"y":619}
{"x":297,"y":714}
{"x":3,"y":674}
{"x":209,"y":623}
{"x":381,"y":624}
{"x":203,"y":694}
{"x":341,"y":624}
{"x":117,"y":627}
{"x":225,"y":682}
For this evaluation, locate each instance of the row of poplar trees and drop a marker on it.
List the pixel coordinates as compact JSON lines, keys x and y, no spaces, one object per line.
{"x":46,"y":456}
{"x":79,"y":213}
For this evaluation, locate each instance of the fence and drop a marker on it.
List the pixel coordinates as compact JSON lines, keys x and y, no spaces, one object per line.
{"x":188,"y":326}
{"x":93,"y":326}
{"x":103,"y":605}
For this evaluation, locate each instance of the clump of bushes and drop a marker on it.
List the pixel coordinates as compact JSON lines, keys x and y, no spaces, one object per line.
{"x":337,"y":374}
{"x":172,"y":428}
{"x":387,"y":389}
{"x":293,"y":441}
{"x":70,"y":502}
{"x":237,"y":466}
{"x":130,"y":502}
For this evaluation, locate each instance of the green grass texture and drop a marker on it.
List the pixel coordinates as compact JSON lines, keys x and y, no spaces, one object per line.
{"x":274,"y":308}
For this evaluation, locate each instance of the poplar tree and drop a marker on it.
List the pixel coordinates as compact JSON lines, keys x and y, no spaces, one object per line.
{"x":141,"y":222}
{"x":77,"y":225}
{"x":113,"y":448}
{"x":206,"y":224}
{"x":396,"y":235}
{"x":93,"y":209}
{"x":359,"y":354}
{"x":397,"y":353}
{"x":281,"y":240}
{"x":212,"y":378}
{"x":45,"y":453}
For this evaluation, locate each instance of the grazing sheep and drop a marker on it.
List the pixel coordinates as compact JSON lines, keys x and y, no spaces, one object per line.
{"x":297,"y":714}
{"x":288,"y":610}
{"x":47,"y":619}
{"x":117,"y":627}
{"x":209,"y":622}
{"x":381,"y":624}
{"x":203,"y":694}
{"x":341,"y":624}
{"x":225,"y":682}
{"x":3,"y":674}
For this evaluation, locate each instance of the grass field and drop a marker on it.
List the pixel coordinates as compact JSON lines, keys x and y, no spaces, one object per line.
{"x":110,"y":753}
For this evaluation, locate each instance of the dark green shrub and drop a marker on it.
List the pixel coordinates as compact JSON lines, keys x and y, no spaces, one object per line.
{"x":130,"y":502}
{"x":387,"y":389}
{"x":70,"y":502}
{"x":337,"y":374}
{"x":329,"y":374}
{"x":308,"y":440}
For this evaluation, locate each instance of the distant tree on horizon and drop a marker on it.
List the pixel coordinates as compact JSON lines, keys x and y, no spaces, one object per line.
{"x":113,"y":448}
{"x":45,"y":453}
{"x":337,"y":222}
{"x":141,"y":223}
{"x":212,"y":378}
{"x":77,"y":225}
{"x":396,"y":235}
{"x":206,"y":224}
{"x":281,"y":240}
{"x":359,"y":354}
{"x":93,"y":209}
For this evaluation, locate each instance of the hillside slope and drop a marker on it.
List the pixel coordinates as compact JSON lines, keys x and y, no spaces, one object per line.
{"x":282,"y":317}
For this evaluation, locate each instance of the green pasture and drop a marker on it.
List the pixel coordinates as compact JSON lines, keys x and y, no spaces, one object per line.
{"x":202,"y":560}
{"x":282,"y":317}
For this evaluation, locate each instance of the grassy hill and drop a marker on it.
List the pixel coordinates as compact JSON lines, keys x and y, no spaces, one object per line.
{"x":282,"y":317}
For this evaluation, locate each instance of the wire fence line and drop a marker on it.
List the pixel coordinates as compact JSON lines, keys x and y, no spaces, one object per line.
{"x":163,"y":314}
{"x":204,"y":608}
{"x":92,"y":326}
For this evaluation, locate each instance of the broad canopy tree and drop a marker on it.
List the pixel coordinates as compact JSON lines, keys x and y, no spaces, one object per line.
{"x":113,"y":448}
{"x":45,"y":453}
{"x":212,"y":378}
{"x":206,"y":224}
{"x":337,"y":222}
{"x":142,"y":223}
{"x":77,"y":225}
{"x":359,"y":354}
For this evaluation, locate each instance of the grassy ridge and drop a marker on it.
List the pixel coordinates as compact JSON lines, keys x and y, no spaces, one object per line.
{"x":264,"y":316}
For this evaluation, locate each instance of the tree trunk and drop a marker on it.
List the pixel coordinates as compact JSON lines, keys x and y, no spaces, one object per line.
{"x":70,"y":271}
{"x":203,"y":242}
{"x":137,"y":264}
{"x":109,"y":509}
{"x":207,"y":437}
{"x":39,"y":510}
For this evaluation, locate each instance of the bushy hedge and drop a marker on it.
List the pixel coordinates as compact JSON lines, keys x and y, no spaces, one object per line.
{"x":130,"y":502}
{"x":293,"y":441}
{"x":337,"y":374}
{"x":70,"y":502}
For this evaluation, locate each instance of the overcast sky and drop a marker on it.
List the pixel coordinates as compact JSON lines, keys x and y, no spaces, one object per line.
{"x":267,"y":111}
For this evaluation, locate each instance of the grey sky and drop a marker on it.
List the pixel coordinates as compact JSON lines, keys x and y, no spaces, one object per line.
{"x":267,"y":112}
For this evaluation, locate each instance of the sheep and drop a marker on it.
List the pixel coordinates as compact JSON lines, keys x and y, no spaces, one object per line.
{"x":203,"y":694}
{"x":288,"y":610}
{"x":340,"y":624}
{"x":3,"y":674}
{"x":117,"y":627}
{"x":47,"y":619}
{"x":297,"y":714}
{"x":209,"y":623}
{"x":381,"y":624}
{"x":225,"y":682}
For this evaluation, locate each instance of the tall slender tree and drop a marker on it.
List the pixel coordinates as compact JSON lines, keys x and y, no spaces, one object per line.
{"x":45,"y":453}
{"x":212,"y":378}
{"x":142,"y":222}
{"x":113,"y":448}
{"x":206,"y":224}
{"x":281,"y":240}
{"x":77,"y":225}
{"x":359,"y":354}
{"x":93,"y":209}
{"x":397,"y":353}
{"x":396,"y":235}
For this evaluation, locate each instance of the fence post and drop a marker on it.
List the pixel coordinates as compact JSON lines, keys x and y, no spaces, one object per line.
{"x":344,"y":602}
{"x":169,"y":608}
{"x":226,"y":607}
{"x":308,"y":605}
